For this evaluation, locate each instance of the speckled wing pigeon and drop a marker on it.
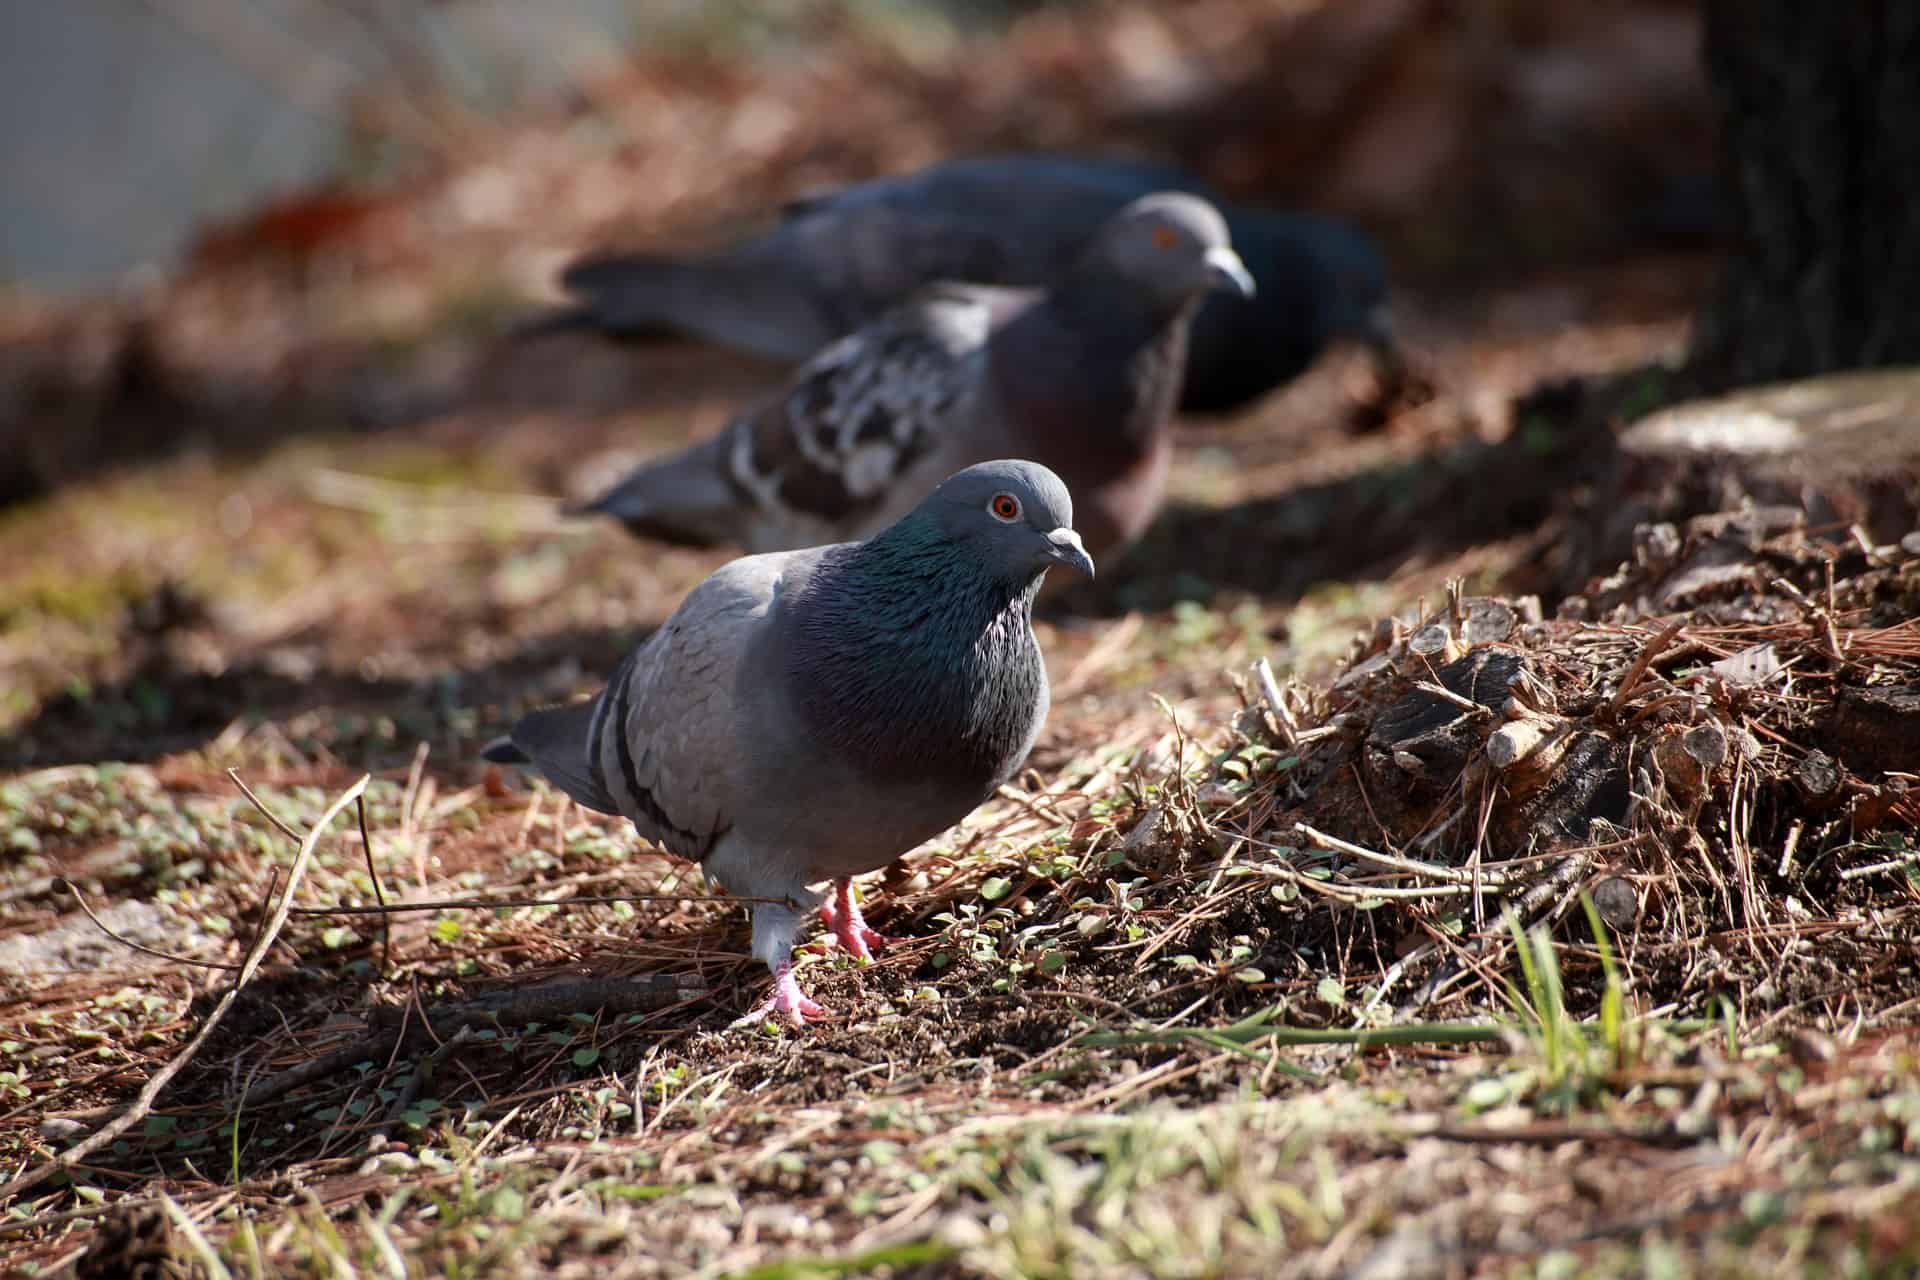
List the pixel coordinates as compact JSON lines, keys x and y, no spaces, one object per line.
{"x":837,"y":261}
{"x":1081,"y":378}
{"x":809,"y":715}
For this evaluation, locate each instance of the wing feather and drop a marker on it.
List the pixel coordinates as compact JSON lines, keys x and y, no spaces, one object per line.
{"x":859,"y":415}
{"x":664,"y":735}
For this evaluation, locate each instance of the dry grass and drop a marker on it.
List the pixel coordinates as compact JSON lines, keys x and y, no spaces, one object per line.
{"x":1246,"y":977}
{"x":1175,"y":1004}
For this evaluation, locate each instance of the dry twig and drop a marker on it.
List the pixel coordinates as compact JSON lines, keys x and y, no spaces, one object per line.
{"x":269,"y":930}
{"x":74,"y":889}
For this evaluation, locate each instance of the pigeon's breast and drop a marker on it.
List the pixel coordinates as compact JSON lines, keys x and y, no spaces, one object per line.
{"x":959,"y":718}
{"x":896,"y":689}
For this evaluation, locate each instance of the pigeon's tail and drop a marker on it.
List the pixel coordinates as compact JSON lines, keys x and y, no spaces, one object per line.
{"x":554,"y":741}
{"x":686,"y":500}
{"x":747,"y":299}
{"x":560,"y":321}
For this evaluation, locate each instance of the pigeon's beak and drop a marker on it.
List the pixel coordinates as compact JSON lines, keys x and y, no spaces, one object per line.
{"x":1376,"y":330}
{"x":1226,"y":273}
{"x":1064,"y":547}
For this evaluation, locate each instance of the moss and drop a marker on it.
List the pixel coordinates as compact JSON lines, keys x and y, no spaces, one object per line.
{"x":54,"y":592}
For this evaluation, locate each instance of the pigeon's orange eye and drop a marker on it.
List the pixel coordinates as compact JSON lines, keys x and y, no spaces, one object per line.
{"x":1005,"y":507}
{"x":1164,"y":238}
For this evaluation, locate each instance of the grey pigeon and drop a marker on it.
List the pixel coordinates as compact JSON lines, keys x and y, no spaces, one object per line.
{"x":1081,"y":378}
{"x":810,"y":715}
{"x":838,"y":260}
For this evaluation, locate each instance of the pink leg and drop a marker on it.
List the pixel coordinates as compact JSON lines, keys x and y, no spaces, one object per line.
{"x":787,"y":999}
{"x":850,"y":928}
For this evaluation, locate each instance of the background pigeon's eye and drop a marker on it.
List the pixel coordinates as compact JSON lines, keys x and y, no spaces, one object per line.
{"x":1164,"y":237}
{"x":1005,"y":507}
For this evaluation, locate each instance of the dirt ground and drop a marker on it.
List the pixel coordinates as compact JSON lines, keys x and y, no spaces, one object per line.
{"x":1313,"y":979}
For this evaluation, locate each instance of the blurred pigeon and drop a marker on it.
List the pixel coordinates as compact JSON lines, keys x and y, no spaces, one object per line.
{"x":1081,"y":378}
{"x":810,"y":715}
{"x":837,"y":260}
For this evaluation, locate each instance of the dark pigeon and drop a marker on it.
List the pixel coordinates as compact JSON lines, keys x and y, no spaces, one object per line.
{"x":810,"y":715}
{"x":839,"y":260}
{"x":1081,"y":378}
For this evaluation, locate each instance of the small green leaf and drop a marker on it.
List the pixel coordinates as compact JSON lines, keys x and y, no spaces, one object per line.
{"x":337,"y":936}
{"x":638,"y":1191}
{"x":995,"y":888}
{"x":447,"y":930}
{"x":1762,"y":1207}
{"x":585,"y":1057}
{"x":1484,"y":1095}
{"x":1331,"y":991}
{"x":1052,"y":962}
{"x":508,"y":1204}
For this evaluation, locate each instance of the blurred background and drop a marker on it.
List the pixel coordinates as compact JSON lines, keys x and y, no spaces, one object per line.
{"x":1468,"y":132}
{"x":281,"y":443}
{"x":263,"y":258}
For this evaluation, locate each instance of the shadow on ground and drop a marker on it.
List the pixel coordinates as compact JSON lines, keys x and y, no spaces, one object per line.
{"x":163,"y":708}
{"x":1364,"y":526}
{"x":97,"y":394}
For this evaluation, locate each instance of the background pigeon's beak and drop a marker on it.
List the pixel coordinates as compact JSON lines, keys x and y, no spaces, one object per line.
{"x":1376,"y":330}
{"x":1064,"y":547}
{"x":1227,"y":273}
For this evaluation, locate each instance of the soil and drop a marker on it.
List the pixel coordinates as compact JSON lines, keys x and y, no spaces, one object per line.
{"x":1492,"y":705}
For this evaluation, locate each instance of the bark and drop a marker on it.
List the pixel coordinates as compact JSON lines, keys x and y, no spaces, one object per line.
{"x":1818,"y":110}
{"x":1833,"y":452}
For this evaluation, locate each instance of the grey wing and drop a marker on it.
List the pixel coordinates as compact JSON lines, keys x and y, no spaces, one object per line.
{"x":663,"y":737}
{"x":995,"y":219}
{"x":860,"y":415}
{"x":869,"y":248}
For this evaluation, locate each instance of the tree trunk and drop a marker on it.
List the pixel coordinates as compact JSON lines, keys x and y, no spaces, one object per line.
{"x":1819,"y":116}
{"x":1833,"y":452}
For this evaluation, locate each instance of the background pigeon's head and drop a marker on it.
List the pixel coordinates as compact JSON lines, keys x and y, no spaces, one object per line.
{"x":1171,"y":247}
{"x":1015,"y":516}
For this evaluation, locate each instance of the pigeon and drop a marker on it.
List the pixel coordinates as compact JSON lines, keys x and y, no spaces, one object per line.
{"x":839,"y":259}
{"x":1081,"y":377}
{"x":810,"y":715}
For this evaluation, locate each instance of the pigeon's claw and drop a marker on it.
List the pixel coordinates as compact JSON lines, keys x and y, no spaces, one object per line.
{"x":858,"y":940}
{"x":850,"y":929}
{"x":787,"y":1000}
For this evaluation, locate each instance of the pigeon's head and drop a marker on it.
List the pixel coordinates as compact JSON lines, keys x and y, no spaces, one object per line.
{"x":1017,"y":517}
{"x":1172,"y":247}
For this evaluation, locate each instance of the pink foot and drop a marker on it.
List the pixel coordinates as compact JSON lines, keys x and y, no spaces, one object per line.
{"x":850,"y":928}
{"x":787,"y":999}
